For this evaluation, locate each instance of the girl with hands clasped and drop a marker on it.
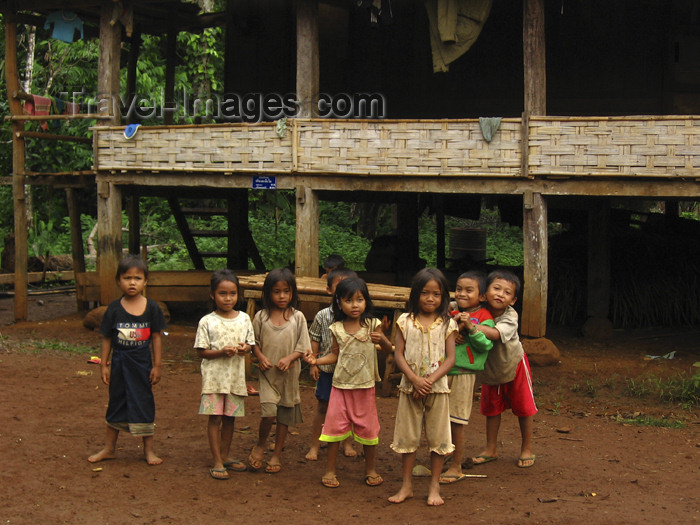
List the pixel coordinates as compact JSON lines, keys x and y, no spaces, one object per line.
{"x":223,"y":339}
{"x":281,"y":338}
{"x":425,"y":352}
{"x":352,"y":408}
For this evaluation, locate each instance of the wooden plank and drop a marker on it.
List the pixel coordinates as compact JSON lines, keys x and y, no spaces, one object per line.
{"x":534,"y":319}
{"x":35,"y":277}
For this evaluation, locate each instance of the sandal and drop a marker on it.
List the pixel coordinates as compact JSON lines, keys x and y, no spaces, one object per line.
{"x":373,"y":481}
{"x":219,"y":473}
{"x":331,"y":483}
{"x":236,"y":466}
{"x":254,"y":463}
{"x":273,"y":468}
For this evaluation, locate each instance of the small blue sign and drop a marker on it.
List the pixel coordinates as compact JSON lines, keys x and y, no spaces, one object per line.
{"x":264,"y":182}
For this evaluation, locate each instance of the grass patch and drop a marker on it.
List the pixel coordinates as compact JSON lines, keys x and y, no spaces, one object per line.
{"x":648,"y":421}
{"x":679,"y":389}
{"x":60,"y":346}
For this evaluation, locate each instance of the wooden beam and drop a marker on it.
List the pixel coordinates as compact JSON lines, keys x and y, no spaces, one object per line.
{"x":109,"y":233}
{"x":307,"y":81}
{"x":108,"y":65}
{"x":535,"y":273}
{"x":306,"y":244}
{"x":52,"y":136}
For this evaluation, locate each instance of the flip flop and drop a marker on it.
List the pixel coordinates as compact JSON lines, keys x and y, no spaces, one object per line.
{"x":331,"y":483}
{"x":374,"y":481}
{"x":251,"y":391}
{"x":273,"y":469}
{"x":220,"y":474}
{"x":521,"y":460}
{"x":484,"y":459}
{"x":236,"y":466}
{"x":254,"y":464}
{"x":452,"y":478}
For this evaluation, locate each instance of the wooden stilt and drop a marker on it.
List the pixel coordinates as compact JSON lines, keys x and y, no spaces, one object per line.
{"x":534,"y":318}
{"x":109,"y":233}
{"x":76,"y":239}
{"x":307,"y":82}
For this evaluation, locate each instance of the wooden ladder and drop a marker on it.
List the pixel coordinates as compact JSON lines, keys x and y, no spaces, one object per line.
{"x":189,"y":235}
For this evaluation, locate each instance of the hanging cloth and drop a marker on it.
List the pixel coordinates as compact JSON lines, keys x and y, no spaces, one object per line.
{"x":65,"y":24}
{"x":454,"y":27}
{"x":489,"y":127}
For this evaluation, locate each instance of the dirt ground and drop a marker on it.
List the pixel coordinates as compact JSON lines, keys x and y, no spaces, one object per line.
{"x":597,"y":471}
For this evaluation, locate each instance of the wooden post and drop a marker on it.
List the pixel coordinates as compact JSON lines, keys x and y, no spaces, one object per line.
{"x":20,"y":308}
{"x":76,"y":239}
{"x":439,"y":230}
{"x":108,"y":65}
{"x":238,"y":236}
{"x":306,"y":245}
{"x":109,"y":233}
{"x":407,"y":252}
{"x":134,"y":224}
{"x":535,"y":274}
{"x":534,"y":320}
{"x":598,"y":324}
{"x":307,"y":82}
{"x":535,"y":76}
{"x":170,"y":58}
{"x":131,"y":70}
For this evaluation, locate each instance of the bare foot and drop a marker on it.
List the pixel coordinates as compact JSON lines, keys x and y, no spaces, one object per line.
{"x":435,"y":501}
{"x":312,"y":454}
{"x":434,"y":498}
{"x":349,"y":452}
{"x":401,"y":496}
{"x":102,"y":455}
{"x":152,"y":459}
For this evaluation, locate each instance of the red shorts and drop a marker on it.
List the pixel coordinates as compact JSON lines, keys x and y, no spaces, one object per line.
{"x":516,"y":395}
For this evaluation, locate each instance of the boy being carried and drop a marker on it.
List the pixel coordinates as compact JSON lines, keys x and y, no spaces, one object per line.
{"x":471,"y":352}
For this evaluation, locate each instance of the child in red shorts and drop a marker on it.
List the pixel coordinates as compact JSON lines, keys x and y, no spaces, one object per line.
{"x":506,"y":379}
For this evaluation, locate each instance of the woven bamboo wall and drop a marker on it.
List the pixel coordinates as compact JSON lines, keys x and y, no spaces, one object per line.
{"x":213,"y":148}
{"x":438,"y":147}
{"x":564,"y":146}
{"x":615,"y":146}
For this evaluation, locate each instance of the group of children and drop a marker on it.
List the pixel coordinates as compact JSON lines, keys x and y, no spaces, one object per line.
{"x":440,"y":347}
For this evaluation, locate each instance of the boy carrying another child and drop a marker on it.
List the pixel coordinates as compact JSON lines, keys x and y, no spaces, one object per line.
{"x":471,"y":352}
{"x":506,"y":379}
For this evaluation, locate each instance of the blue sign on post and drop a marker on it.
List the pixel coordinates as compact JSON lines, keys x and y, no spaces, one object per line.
{"x":264,"y":182}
